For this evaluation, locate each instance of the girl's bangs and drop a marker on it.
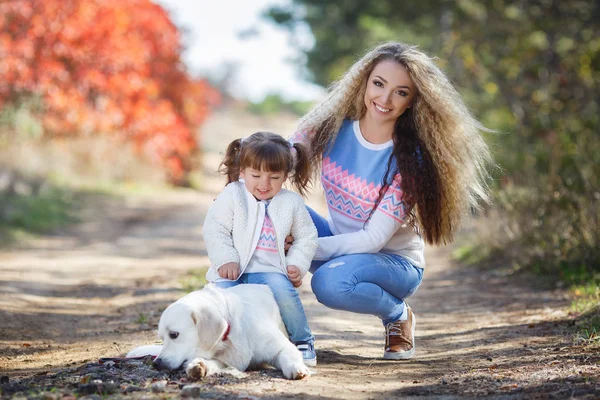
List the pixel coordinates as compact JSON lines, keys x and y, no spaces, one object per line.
{"x":270,"y":158}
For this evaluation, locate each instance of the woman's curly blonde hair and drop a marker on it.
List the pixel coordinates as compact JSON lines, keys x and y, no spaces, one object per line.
{"x":439,"y":151}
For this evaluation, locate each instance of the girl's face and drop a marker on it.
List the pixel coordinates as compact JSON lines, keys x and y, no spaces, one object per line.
{"x":262,"y":184}
{"x":389,"y":92}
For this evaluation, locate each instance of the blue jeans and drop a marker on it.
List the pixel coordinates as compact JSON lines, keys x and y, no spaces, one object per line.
{"x":373,"y":283}
{"x":287,"y":298}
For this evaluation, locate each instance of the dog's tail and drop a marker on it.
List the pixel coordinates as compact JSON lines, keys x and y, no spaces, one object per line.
{"x":141,"y":351}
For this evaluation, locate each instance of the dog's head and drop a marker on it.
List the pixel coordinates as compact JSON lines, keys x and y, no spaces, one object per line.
{"x":190,"y":329}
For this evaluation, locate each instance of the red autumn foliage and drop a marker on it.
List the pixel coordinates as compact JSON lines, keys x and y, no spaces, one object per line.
{"x":105,"y":67}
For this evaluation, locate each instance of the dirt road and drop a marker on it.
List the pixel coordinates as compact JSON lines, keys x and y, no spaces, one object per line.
{"x":97,"y":290}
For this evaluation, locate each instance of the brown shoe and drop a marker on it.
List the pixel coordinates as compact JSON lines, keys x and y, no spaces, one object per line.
{"x":400,"y":338}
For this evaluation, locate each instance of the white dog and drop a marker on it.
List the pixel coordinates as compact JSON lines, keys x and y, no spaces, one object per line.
{"x":211,"y":329}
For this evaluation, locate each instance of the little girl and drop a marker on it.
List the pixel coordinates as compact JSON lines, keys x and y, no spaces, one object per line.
{"x":246,"y":227}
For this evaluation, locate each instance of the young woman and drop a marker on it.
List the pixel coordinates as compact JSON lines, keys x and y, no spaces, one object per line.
{"x":402,"y":162}
{"x":246,"y":227}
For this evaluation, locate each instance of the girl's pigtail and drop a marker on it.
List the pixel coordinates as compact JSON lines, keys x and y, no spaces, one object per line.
{"x":230,"y":165}
{"x":302,"y":168}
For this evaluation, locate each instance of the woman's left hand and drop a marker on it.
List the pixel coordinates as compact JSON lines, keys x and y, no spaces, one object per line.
{"x":294,"y":275}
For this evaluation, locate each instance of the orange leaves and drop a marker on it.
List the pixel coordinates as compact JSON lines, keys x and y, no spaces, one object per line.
{"x":105,"y":66}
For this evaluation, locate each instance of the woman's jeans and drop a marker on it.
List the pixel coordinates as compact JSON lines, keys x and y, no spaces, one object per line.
{"x":287,"y":298}
{"x":366,"y":283}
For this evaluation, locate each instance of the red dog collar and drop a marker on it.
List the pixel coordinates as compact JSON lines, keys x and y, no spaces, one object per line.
{"x":226,"y":332}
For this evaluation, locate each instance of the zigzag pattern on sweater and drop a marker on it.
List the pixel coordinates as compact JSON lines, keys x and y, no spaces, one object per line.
{"x":354,"y":197}
{"x":392,"y":204}
{"x":267,"y":240}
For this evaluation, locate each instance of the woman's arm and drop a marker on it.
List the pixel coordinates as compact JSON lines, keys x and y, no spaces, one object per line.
{"x":371,"y":239}
{"x":388,"y":217}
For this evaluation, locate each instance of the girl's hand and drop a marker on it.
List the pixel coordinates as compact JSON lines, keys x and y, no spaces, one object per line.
{"x":230,"y":270}
{"x":289,"y":240}
{"x":294,"y":275}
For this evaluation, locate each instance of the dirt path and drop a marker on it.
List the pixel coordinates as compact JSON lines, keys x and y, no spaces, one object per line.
{"x":98,"y":289}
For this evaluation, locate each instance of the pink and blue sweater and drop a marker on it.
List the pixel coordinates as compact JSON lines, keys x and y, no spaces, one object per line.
{"x":266,"y":256}
{"x":352,"y":174}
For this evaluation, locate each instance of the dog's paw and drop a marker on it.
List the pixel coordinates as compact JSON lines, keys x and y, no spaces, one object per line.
{"x":196,"y":370}
{"x":296,"y":371}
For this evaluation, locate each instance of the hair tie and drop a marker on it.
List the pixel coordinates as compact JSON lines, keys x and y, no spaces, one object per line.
{"x":293,"y":149}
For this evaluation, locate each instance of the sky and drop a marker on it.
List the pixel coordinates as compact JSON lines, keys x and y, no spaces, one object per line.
{"x":262,"y":61}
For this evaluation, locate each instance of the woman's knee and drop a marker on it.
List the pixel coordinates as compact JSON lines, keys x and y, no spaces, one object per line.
{"x":318,"y":285}
{"x":328,"y":289}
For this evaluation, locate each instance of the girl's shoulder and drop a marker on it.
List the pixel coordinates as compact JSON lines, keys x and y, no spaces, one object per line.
{"x":232,"y":190}
{"x":236,"y":186}
{"x":286,"y":195}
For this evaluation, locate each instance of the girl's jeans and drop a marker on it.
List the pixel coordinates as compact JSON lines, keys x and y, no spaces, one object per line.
{"x":375,"y":283}
{"x":287,"y":298}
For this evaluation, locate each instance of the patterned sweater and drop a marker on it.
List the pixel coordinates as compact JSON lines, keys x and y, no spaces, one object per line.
{"x":352,"y":174}
{"x":266,"y":255}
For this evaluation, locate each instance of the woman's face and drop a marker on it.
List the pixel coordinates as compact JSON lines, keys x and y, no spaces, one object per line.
{"x":389,"y":92}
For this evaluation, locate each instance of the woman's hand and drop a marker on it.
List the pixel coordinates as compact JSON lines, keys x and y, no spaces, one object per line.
{"x":294,"y":275}
{"x":289,"y":240}
{"x":230,"y":270}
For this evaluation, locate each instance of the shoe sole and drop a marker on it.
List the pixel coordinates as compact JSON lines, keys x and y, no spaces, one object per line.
{"x":405,"y":355}
{"x":310,"y":363}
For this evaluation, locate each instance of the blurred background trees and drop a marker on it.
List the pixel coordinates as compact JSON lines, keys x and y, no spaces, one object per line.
{"x":529,"y":69}
{"x":102,"y":67}
{"x":79,"y":70}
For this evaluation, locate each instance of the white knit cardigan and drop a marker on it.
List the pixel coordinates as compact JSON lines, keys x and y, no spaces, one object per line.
{"x":230,"y":229}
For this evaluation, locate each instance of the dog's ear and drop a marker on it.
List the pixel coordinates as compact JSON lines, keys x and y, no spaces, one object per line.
{"x":211,"y":327}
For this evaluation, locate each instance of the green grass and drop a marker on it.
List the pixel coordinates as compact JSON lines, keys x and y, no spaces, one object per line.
{"x":194,"y":280}
{"x":587,"y":327}
{"x":586,"y":305}
{"x":55,"y":203}
{"x":23,"y":215}
{"x":471,"y":253}
{"x":121,"y":189}
{"x":142,"y":318}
